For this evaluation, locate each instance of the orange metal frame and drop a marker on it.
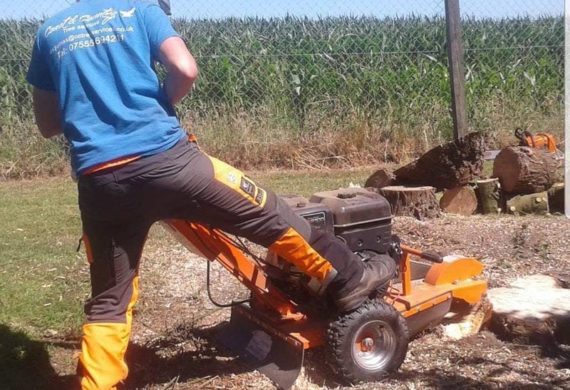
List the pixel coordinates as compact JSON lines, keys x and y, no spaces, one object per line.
{"x":453,"y":279}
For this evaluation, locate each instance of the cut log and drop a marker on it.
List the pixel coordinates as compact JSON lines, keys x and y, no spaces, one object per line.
{"x":418,"y":202}
{"x":533,"y":308}
{"x":528,"y":204}
{"x":381,"y":178}
{"x":523,"y":170}
{"x":556,"y":198}
{"x":451,"y":165}
{"x":488,"y":193}
{"x":459,"y":200}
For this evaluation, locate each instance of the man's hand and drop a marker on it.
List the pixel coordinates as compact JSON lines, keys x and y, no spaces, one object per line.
{"x":180,"y":66}
{"x":46,"y":111}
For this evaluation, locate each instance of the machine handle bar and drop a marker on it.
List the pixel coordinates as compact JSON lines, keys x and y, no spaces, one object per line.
{"x":426,"y":255}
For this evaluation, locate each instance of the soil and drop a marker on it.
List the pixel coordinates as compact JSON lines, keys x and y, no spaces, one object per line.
{"x":176,"y":326}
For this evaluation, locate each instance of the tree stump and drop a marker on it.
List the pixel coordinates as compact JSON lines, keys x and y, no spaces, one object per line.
{"x":533,"y":308}
{"x":556,"y":198}
{"x":381,"y":178}
{"x":523,"y":170}
{"x":488,"y":193}
{"x":459,"y":200}
{"x":451,"y":165}
{"x":418,"y":202}
{"x":528,"y":204}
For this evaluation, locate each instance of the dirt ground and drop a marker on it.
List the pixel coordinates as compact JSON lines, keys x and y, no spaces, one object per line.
{"x":174,"y":339}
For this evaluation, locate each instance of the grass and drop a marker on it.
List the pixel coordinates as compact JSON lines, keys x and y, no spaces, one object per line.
{"x":307,"y":183}
{"x":44,"y":281}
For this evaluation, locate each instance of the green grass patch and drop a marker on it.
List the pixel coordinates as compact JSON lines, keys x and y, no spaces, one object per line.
{"x":307,"y":183}
{"x":43,"y":280}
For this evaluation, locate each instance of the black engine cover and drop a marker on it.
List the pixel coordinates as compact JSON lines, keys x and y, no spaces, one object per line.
{"x":318,"y":215}
{"x":361,"y":218}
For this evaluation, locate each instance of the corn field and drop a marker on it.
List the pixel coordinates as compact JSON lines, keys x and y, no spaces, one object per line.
{"x":340,"y":89}
{"x":390,"y":70}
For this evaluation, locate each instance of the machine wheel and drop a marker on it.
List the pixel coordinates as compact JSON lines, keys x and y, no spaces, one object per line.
{"x":369,"y":343}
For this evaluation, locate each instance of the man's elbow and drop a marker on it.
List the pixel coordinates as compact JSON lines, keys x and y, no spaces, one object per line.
{"x":188,"y":71}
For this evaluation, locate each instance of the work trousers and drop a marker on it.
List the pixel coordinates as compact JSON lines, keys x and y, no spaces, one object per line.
{"x":118,"y":207}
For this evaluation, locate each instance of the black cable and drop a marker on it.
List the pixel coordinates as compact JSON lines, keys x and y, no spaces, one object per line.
{"x":222,"y":305}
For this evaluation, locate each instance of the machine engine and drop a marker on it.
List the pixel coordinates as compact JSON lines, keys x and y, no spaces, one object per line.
{"x":360,"y":218}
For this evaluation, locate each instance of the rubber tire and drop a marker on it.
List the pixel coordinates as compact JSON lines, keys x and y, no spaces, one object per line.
{"x":341,"y":331}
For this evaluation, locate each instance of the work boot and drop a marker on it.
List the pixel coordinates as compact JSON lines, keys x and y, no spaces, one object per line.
{"x":377,"y":273}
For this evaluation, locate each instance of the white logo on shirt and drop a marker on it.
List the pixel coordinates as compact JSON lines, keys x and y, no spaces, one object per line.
{"x":129,"y":13}
{"x":100,"y":18}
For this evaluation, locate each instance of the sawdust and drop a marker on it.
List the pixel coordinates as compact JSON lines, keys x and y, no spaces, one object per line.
{"x":175,"y":326}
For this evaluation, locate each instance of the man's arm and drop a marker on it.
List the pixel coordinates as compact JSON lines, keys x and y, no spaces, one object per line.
{"x":46,"y":111}
{"x":180,"y":66}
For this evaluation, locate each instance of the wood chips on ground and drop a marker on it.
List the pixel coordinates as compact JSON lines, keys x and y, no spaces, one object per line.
{"x":174,"y":344}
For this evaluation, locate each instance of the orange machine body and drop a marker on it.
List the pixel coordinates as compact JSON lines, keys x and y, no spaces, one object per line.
{"x":422,"y":300}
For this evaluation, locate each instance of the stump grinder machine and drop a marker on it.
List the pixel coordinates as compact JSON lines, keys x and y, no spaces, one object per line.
{"x":283,"y":317}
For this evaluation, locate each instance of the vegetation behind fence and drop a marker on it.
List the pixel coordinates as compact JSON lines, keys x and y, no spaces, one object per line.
{"x":310,"y":92}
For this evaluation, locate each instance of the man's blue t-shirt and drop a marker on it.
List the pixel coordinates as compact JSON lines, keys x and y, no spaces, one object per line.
{"x":99,"y":55}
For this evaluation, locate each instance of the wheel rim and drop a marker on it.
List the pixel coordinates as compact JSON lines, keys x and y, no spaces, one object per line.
{"x":373,"y":345}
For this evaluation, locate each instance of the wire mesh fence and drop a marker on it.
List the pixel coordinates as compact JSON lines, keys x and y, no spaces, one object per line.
{"x":514,"y":64}
{"x":350,"y":74}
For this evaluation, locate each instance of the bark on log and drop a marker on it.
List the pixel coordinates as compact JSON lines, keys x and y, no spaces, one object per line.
{"x":534,"y":308}
{"x":418,"y":202}
{"x":450,"y":165}
{"x":556,"y":198}
{"x":528,"y":204}
{"x":381,"y":178}
{"x":459,"y":200}
{"x":523,"y":170}
{"x":488,"y":193}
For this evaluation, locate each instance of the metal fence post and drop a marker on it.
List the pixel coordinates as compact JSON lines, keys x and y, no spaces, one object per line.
{"x":567,"y":111}
{"x":456,"y":70}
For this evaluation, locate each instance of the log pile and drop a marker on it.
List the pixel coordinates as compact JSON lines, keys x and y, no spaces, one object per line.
{"x":523,"y":170}
{"x":524,"y":181}
{"x":453,"y":164}
{"x":529,"y":180}
{"x":411,"y":189}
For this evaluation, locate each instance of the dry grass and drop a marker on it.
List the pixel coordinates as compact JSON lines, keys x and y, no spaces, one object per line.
{"x":254,"y":140}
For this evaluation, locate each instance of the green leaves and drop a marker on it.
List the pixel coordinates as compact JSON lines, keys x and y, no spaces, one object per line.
{"x":297,"y":73}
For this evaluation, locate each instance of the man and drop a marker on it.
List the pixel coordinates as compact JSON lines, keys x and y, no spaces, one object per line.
{"x":92,"y":69}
